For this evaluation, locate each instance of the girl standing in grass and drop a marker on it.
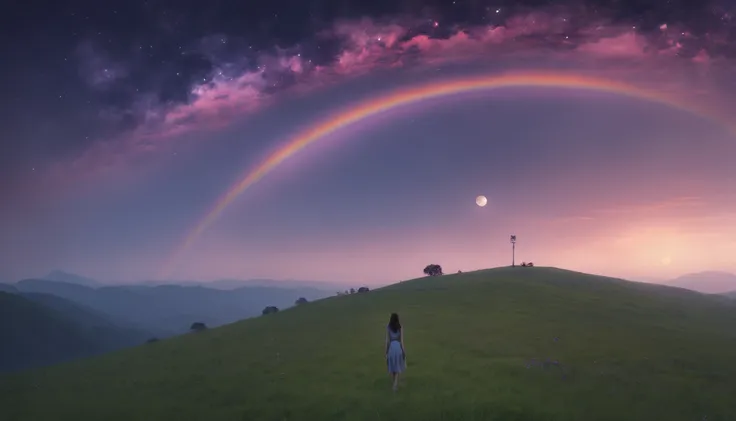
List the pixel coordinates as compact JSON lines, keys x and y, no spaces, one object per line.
{"x":395,"y":354}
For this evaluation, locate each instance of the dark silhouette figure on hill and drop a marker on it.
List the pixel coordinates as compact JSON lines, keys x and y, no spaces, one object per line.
{"x":433,"y":270}
{"x":363,"y":289}
{"x":395,"y":351}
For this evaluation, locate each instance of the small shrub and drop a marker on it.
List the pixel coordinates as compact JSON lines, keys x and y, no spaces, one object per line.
{"x":270,"y":310}
{"x":198,"y":327}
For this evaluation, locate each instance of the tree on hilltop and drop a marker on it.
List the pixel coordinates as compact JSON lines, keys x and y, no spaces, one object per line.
{"x":301,"y":300}
{"x":433,"y":270}
{"x":363,"y":289}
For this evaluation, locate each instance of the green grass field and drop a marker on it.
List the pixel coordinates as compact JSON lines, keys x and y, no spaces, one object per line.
{"x":624,"y":351}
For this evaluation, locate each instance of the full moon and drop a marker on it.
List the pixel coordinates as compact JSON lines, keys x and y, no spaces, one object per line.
{"x":481,"y":201}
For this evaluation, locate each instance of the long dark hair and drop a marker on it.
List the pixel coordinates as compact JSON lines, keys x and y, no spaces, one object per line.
{"x":393,"y":323}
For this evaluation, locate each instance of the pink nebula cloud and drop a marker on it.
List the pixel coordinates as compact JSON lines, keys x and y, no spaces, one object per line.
{"x":367,"y":46}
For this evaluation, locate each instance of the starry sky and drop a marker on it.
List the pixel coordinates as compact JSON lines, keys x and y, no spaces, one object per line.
{"x":124,"y":122}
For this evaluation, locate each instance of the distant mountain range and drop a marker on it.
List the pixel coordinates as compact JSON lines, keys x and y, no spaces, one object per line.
{"x":71,"y":278}
{"x":169,"y":310}
{"x":68,"y":316}
{"x":42,"y":329}
{"x":711,"y":282}
{"x":229,"y":284}
{"x":222,"y":284}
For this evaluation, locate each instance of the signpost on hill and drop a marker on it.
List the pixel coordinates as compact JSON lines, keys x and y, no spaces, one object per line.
{"x":513,"y":250}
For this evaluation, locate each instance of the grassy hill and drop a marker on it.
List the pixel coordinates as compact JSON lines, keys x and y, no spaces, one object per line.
{"x":501,"y":344}
{"x":42,"y":329}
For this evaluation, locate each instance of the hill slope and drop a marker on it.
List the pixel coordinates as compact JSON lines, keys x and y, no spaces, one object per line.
{"x":8,"y":288}
{"x":76,"y":313}
{"x":40,"y":329}
{"x":110,"y":333}
{"x":476,"y":344}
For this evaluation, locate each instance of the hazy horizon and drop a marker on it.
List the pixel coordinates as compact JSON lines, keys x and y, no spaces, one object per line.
{"x":317,"y":282}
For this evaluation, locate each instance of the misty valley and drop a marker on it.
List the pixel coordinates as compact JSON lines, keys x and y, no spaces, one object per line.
{"x":65,"y":317}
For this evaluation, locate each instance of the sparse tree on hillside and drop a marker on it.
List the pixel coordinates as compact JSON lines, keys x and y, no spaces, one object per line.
{"x":270,"y":310}
{"x":301,"y":300}
{"x":198,"y":327}
{"x":363,"y":289}
{"x":433,"y":270}
{"x":352,"y":290}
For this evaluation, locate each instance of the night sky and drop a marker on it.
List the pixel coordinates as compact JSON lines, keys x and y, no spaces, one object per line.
{"x":125,"y":122}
